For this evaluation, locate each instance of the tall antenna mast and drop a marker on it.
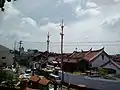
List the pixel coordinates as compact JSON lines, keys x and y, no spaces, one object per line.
{"x":15,"y":53}
{"x":48,"y":42}
{"x":62,"y":35}
{"x":20,"y":46}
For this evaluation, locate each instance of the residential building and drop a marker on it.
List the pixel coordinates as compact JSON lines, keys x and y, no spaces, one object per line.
{"x":112,"y":65}
{"x":41,"y":59}
{"x":116,"y":58}
{"x":96,"y":58}
{"x":6,"y":56}
{"x":40,"y":82}
{"x":85,"y":60}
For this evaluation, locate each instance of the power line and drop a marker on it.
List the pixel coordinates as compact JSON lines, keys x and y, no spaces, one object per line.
{"x":78,"y":42}
{"x":99,"y":43}
{"x":91,"y":45}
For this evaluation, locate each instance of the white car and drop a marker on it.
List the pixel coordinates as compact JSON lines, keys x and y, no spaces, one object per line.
{"x":28,"y":71}
{"x":27,"y":75}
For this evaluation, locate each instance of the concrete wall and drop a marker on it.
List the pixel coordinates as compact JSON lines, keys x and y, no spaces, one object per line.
{"x":4,"y":52}
{"x":99,"y":61}
{"x":95,"y":83}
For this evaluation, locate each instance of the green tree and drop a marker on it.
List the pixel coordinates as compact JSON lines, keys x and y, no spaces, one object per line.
{"x":103,"y":72}
{"x":7,"y":75}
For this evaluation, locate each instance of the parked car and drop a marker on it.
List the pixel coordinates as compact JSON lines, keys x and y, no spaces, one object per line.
{"x":28,"y":71}
{"x":55,"y":77}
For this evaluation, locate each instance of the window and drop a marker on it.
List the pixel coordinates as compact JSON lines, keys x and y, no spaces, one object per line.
{"x":102,"y":56}
{"x":3,"y":57}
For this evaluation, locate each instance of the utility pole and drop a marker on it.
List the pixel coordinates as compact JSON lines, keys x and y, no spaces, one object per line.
{"x":62,"y":79}
{"x":48,"y":41}
{"x":15,"y":45}
{"x":15,"y":54}
{"x":48,"y":44}
{"x":20,"y":46}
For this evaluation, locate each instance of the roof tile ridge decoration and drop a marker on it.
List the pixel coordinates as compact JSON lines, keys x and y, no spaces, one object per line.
{"x":118,"y":66}
{"x":84,"y":51}
{"x":77,"y":55}
{"x":38,"y":54}
{"x":70,"y":56}
{"x":100,"y":51}
{"x":88,"y":52}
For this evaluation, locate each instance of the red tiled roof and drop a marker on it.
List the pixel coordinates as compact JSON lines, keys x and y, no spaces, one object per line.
{"x":90,"y":55}
{"x":39,"y":80}
{"x":34,"y":78}
{"x":43,"y":81}
{"x":76,"y":56}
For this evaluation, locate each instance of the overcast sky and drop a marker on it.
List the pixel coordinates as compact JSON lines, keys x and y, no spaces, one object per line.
{"x":85,"y":21}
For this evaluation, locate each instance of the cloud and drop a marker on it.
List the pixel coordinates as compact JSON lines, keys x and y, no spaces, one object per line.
{"x":102,"y":3}
{"x":50,"y":27}
{"x":44,"y":21}
{"x":116,"y":0}
{"x":88,"y":9}
{"x":59,"y":2}
{"x":91,"y":5}
{"x":69,"y":1}
{"x":112,"y":23}
{"x":16,"y":26}
{"x":32,"y":22}
{"x":26,"y":20}
{"x":89,"y":12}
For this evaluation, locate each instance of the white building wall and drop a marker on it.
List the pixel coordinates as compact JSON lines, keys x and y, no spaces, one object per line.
{"x":99,"y":61}
{"x":8,"y":57}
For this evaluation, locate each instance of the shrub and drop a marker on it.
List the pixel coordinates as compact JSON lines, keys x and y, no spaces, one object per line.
{"x":7,"y":75}
{"x":102,"y":72}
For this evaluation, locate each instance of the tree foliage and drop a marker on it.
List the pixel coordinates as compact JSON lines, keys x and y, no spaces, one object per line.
{"x":103,"y":72}
{"x":7,"y":75}
{"x":2,"y":2}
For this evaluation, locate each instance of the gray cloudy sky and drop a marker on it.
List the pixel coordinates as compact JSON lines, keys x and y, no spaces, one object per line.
{"x":85,"y":21}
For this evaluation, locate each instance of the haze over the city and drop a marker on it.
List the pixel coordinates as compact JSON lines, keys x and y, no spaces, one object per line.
{"x":85,"y":21}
